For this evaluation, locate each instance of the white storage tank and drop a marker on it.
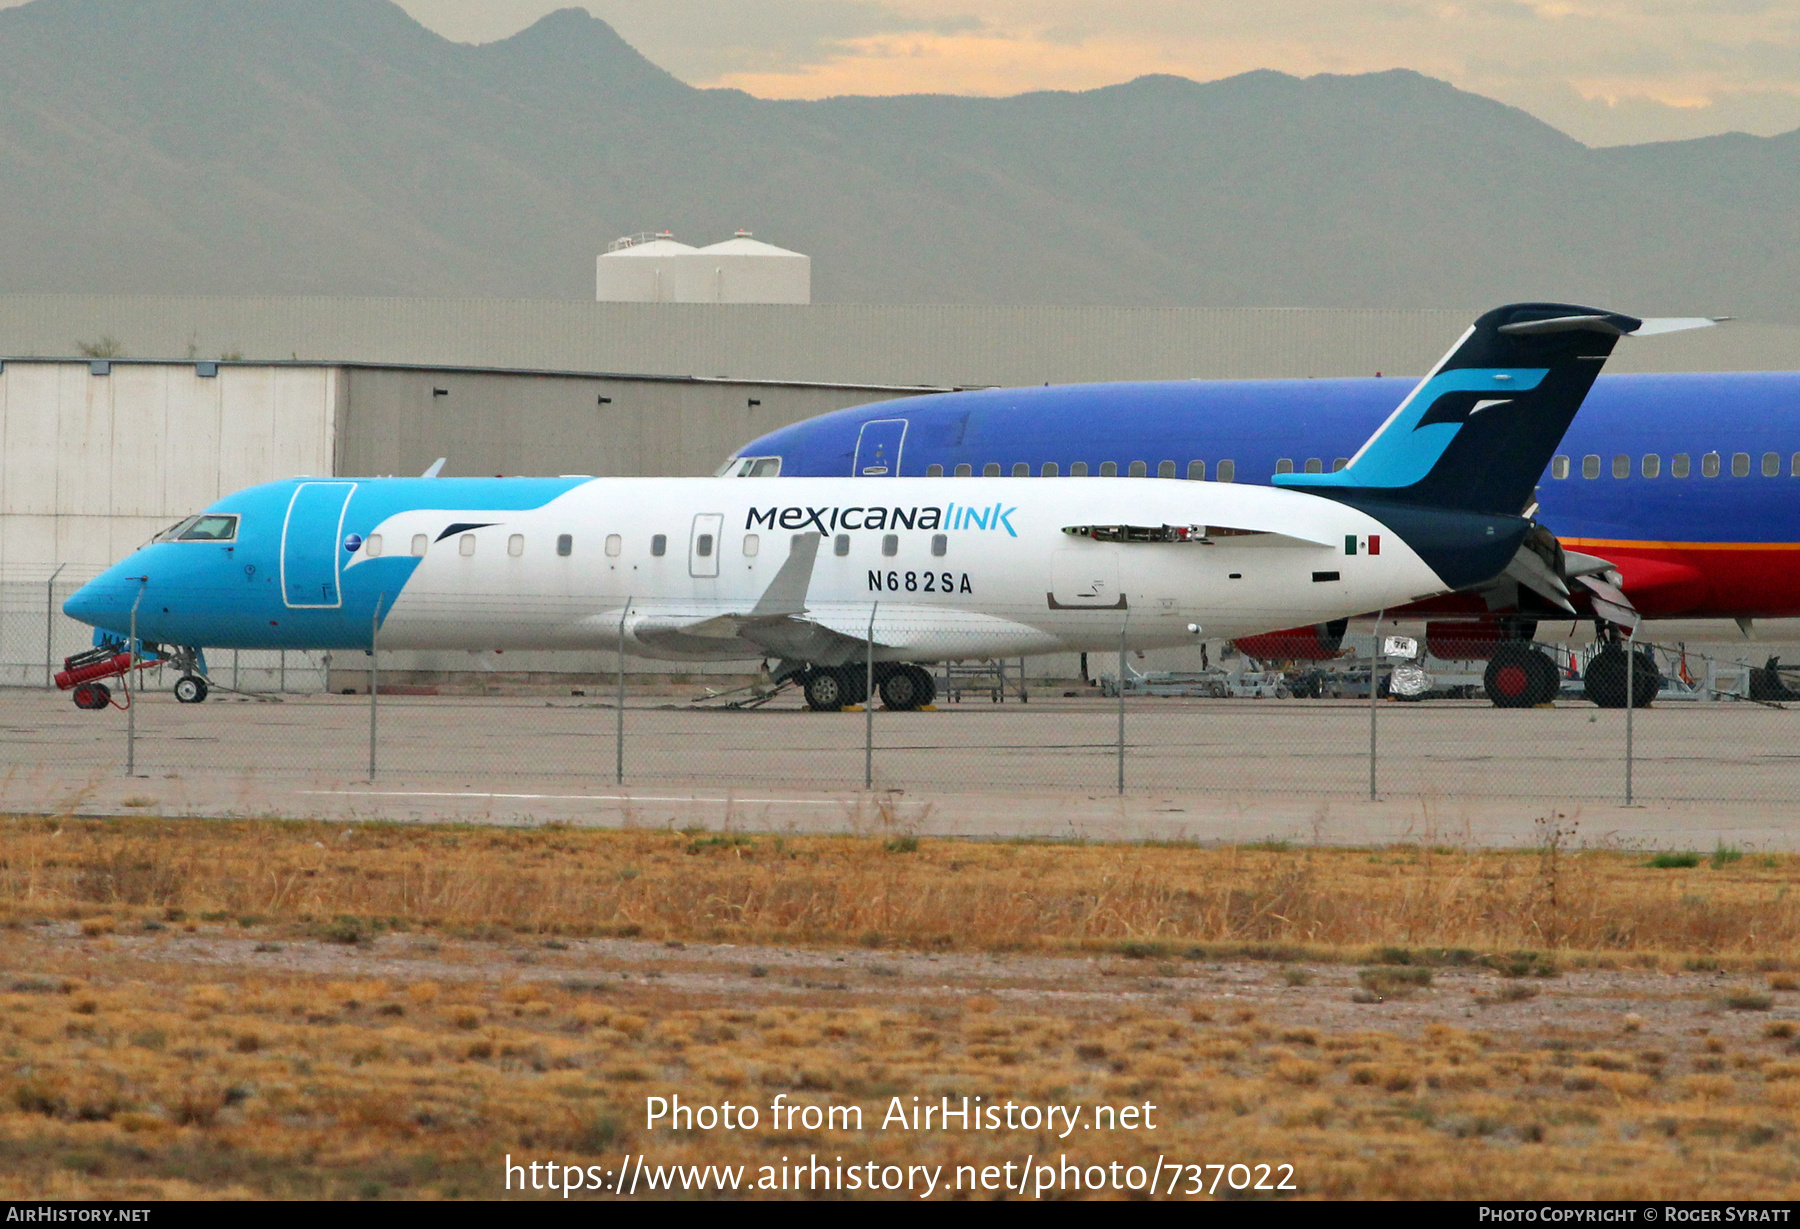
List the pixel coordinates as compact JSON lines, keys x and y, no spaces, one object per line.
{"x":743,"y":269}
{"x":656,"y":268}
{"x":644,"y":268}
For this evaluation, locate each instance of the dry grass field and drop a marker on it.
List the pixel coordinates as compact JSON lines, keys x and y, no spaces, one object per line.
{"x":257,"y":1008}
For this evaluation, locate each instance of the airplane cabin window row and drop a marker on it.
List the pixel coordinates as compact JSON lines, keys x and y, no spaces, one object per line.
{"x":1680,"y":465}
{"x":703,"y":545}
{"x":1196,"y":470}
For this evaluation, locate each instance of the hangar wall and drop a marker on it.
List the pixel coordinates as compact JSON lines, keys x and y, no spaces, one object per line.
{"x":398,"y":420}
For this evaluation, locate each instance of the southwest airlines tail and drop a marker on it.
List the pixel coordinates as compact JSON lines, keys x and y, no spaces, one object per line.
{"x":1477,"y":432}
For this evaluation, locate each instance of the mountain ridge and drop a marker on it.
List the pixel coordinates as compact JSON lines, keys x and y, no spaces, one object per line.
{"x":338,"y":146}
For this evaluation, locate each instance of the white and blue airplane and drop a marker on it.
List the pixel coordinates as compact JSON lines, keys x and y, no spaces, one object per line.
{"x":820,"y":573}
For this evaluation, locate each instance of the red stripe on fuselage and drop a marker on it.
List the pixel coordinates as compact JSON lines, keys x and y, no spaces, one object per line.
{"x":1699,"y":580}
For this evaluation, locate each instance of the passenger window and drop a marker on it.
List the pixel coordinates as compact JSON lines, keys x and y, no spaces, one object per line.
{"x":1794,"y":466}
{"x":1165,"y":469}
{"x":465,"y":545}
{"x":1109,"y":469}
{"x":372,"y":546}
{"x":1196,"y":471}
{"x":1021,"y":469}
{"x":1314,"y":465}
{"x":515,"y":545}
{"x":703,"y":545}
{"x":963,"y":471}
{"x":940,"y":544}
{"x":1679,"y":465}
{"x":1621,"y":466}
{"x":890,"y":544}
{"x":1340,"y":463}
{"x":1050,"y":470}
{"x":1078,"y":469}
{"x":1227,"y":471}
{"x":1559,"y":467}
{"x":615,"y":545}
{"x":1652,"y":465}
{"x":1139,"y":470}
{"x":419,"y":543}
{"x":1284,"y":466}
{"x":841,"y":544}
{"x":1709,"y":465}
{"x":659,"y":545}
{"x":752,"y":544}
{"x":1590,"y":466}
{"x":991,"y":470}
{"x":1740,"y":465}
{"x":1771,"y":464}
{"x":934,"y":471}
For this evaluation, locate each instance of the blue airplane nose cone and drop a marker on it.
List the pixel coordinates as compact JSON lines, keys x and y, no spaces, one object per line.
{"x":104,"y":602}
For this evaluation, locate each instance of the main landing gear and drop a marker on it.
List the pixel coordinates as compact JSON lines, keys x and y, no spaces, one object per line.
{"x":1519,"y":676}
{"x":902,"y":688}
{"x":1606,"y":681}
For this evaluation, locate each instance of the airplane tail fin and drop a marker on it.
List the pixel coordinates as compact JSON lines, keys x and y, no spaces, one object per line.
{"x":1477,"y":432}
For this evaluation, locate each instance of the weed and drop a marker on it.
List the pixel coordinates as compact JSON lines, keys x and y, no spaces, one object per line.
{"x":1724,"y":855}
{"x":1674,"y":861}
{"x":1296,"y":976}
{"x":901,"y":844}
{"x":1394,"y":982}
{"x":1740,"y":999}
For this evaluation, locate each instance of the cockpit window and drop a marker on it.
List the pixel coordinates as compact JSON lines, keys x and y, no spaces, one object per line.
{"x":207,"y":527}
{"x":754,"y":467}
{"x":211,"y":528}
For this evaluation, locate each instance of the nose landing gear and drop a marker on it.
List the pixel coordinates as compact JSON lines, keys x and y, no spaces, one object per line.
{"x":190,"y":689}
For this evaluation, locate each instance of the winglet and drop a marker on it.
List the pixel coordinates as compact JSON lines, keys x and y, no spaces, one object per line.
{"x":437,"y":467}
{"x":786,"y":594}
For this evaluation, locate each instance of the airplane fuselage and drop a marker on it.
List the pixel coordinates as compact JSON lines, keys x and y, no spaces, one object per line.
{"x":692,"y":568}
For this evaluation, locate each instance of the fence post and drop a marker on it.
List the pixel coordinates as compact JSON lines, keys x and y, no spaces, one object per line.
{"x":1630,"y":704}
{"x":131,"y":686}
{"x":49,"y":625}
{"x":619,"y":712}
{"x":1374,"y":696}
{"x":869,"y":702}
{"x":1124,"y":626}
{"x":374,"y":677}
{"x":281,"y":677}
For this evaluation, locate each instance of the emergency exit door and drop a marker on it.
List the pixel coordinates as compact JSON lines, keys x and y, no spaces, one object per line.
{"x":878,"y":447}
{"x":703,"y":544}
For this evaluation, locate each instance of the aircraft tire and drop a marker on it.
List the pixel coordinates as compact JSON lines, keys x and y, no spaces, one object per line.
{"x":856,"y":683}
{"x":190,"y":689}
{"x":1519,"y":677}
{"x":825,"y":691}
{"x":1605,"y":678}
{"x":908,"y":688}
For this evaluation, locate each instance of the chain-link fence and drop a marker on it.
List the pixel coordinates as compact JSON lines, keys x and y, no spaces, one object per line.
{"x":1720,"y":725}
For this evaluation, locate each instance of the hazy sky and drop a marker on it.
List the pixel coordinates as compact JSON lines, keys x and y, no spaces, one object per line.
{"x":1605,"y":71}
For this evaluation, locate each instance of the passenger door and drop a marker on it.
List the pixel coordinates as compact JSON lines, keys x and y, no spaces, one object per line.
{"x":312,"y":551}
{"x":703,"y":544}
{"x":878,"y":447}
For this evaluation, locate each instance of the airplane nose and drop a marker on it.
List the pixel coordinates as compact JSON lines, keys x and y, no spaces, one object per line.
{"x":104,"y":602}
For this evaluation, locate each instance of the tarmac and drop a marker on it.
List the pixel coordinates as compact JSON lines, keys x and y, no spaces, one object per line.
{"x":1452,"y":773}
